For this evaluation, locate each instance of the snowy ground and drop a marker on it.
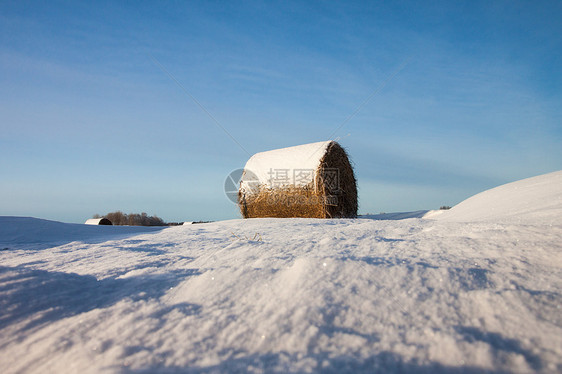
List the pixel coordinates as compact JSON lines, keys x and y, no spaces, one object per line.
{"x":451,"y":293}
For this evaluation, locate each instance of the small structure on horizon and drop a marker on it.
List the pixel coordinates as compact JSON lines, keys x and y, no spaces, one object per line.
{"x":312,"y":181}
{"x":98,"y":221}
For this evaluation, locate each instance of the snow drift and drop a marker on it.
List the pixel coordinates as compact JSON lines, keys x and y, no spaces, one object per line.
{"x":40,"y":233}
{"x":532,"y":200}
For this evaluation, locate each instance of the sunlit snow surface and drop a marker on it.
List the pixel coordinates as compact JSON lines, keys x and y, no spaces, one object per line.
{"x":286,"y":295}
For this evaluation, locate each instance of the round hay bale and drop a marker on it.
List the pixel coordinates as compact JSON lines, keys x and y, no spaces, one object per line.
{"x":313,"y":180}
{"x":99,"y":221}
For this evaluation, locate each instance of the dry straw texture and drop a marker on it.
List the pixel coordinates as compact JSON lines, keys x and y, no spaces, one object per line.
{"x":332,"y":195}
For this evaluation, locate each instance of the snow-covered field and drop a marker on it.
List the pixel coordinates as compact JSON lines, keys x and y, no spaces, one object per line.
{"x":473,"y":289}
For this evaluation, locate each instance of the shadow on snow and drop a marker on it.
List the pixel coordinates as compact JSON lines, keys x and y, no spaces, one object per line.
{"x":324,"y":362}
{"x":37,"y":297}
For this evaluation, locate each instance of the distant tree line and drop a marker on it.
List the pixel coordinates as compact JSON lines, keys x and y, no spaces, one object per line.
{"x":132,"y":219}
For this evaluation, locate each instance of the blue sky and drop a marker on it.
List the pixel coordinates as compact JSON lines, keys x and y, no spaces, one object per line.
{"x":89,"y":123}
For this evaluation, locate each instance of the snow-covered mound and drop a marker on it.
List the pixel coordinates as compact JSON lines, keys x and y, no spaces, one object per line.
{"x":282,"y":295}
{"x":35,"y":232}
{"x":535,"y":200}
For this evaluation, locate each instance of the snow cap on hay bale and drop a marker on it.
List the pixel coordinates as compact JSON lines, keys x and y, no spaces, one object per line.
{"x":98,"y":221}
{"x":312,"y":180}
